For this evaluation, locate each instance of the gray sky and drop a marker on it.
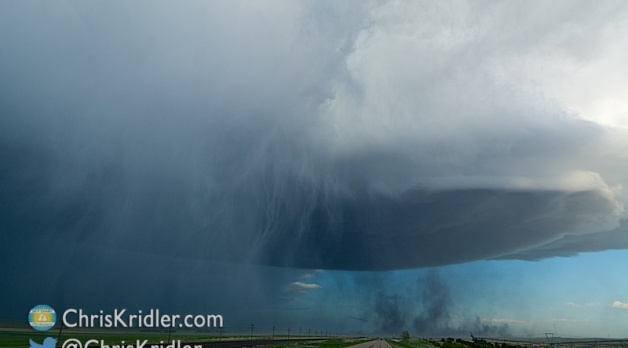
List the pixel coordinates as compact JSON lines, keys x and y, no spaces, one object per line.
{"x":206,"y":137}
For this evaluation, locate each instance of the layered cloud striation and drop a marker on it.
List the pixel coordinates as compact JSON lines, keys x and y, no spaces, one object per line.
{"x":336,"y":136}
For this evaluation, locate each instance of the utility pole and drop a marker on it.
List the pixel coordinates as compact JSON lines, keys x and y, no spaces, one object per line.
{"x":288,"y":333}
{"x":220,"y":337}
{"x":60,"y":331}
{"x":252,"y":327}
{"x":273,"y":332}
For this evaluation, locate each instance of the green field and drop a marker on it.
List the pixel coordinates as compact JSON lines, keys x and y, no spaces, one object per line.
{"x":20,"y":337}
{"x":413,"y":343}
{"x":331,"y":343}
{"x":14,"y":337}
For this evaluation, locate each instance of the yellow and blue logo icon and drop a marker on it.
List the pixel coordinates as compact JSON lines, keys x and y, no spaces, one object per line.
{"x":42,"y":317}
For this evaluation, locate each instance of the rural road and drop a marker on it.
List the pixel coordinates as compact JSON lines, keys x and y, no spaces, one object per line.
{"x":373,"y":344}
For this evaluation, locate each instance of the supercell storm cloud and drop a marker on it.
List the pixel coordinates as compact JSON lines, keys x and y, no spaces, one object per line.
{"x":407,"y":136}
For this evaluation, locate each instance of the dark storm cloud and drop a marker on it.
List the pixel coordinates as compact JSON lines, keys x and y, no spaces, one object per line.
{"x":429,"y":308}
{"x":436,"y":299}
{"x":436,"y":317}
{"x":294,"y":136}
{"x":390,"y":310}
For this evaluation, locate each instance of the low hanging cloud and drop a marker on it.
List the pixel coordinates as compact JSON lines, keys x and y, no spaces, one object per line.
{"x":406,"y":136}
{"x":578,"y":305}
{"x":304,"y":286}
{"x":619,"y":304}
